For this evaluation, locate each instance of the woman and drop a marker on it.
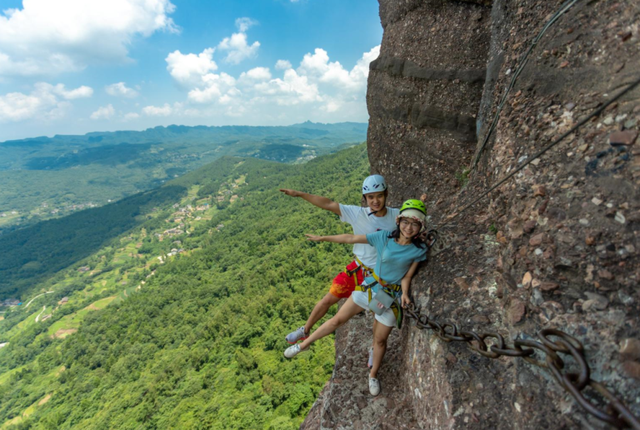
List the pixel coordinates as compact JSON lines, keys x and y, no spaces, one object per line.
{"x":398,"y":255}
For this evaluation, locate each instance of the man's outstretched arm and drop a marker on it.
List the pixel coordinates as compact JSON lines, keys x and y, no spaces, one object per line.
{"x":321,"y":202}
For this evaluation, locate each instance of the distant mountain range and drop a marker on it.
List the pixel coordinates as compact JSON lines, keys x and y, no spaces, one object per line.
{"x":47,"y":177}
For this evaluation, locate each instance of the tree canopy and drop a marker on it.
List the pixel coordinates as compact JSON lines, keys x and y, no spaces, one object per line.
{"x":196,"y":338}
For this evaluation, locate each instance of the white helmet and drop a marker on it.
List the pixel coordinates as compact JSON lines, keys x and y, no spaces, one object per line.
{"x":374,"y":184}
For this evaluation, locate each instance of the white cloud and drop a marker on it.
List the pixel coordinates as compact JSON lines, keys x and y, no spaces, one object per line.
{"x":237,"y":46}
{"x":317,"y":65}
{"x":188,"y":69}
{"x":243,"y":24}
{"x":165,"y":110}
{"x":52,"y":63}
{"x":104,"y":112}
{"x":318,"y":89}
{"x":131,"y":116}
{"x":214,"y":86}
{"x":205,"y":95}
{"x":120,"y":90}
{"x":81,"y":92}
{"x":283,"y":65}
{"x":48,"y":37}
{"x":59,"y":89}
{"x":361,"y":70}
{"x":291,"y":90}
{"x":194,"y":71}
{"x":43,"y":103}
{"x":332,"y":106}
{"x":256,"y":74}
{"x":18,"y":106}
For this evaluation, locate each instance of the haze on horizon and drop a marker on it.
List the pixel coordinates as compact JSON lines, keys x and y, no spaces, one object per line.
{"x":73,"y":67}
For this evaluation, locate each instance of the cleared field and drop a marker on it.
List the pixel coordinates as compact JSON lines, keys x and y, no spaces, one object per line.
{"x":22,"y":325}
{"x":101,"y":304}
{"x":29,"y":411}
{"x":4,"y":377}
{"x":72,"y":322}
{"x":49,"y":378}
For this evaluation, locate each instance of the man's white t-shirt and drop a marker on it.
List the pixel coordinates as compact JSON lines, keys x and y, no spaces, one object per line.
{"x":363,"y":223}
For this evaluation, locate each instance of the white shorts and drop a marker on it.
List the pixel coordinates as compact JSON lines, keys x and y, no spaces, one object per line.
{"x":361,"y":298}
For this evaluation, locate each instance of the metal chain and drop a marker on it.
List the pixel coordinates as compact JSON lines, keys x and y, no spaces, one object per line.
{"x":613,"y":412}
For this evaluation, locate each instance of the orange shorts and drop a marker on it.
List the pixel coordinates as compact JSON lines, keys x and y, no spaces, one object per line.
{"x":343,"y":285}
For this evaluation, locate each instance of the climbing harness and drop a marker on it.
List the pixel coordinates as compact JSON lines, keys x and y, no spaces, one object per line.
{"x":390,"y":289}
{"x":359,"y":267}
{"x":613,"y":412}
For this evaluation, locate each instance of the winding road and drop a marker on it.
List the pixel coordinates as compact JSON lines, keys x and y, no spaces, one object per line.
{"x":38,"y":317}
{"x":47,"y":292}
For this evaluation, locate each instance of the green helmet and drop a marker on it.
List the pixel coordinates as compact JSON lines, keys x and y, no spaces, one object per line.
{"x":414,"y":204}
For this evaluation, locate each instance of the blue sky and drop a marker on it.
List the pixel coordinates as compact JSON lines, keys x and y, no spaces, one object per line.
{"x":75,"y":66}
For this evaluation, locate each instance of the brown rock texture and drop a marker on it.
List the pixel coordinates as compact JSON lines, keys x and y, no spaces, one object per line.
{"x":566,"y":255}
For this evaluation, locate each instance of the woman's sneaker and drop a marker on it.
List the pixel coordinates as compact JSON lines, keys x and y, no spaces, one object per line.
{"x":374,"y":386}
{"x":370,"y":362}
{"x":296,"y":335}
{"x":294,"y":350}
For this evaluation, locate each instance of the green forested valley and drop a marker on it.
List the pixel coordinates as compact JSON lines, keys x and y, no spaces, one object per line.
{"x":169,"y":309}
{"x":45,"y":178}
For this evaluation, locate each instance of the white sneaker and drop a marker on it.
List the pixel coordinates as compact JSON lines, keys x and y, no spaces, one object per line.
{"x":294,"y":350}
{"x":374,"y":386}
{"x":296,"y":335}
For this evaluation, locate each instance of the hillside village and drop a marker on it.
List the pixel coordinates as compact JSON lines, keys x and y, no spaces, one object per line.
{"x":109,"y":278}
{"x":45,"y":211}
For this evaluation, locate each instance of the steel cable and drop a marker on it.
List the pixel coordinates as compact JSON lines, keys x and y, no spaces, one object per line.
{"x":586,"y":119}
{"x":523,"y":61}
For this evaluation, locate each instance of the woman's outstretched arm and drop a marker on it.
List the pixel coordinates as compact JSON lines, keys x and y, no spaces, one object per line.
{"x":406,"y":283}
{"x":339,"y":238}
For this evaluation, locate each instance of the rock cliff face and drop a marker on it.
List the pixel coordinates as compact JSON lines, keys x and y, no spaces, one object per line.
{"x":556,"y":246}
